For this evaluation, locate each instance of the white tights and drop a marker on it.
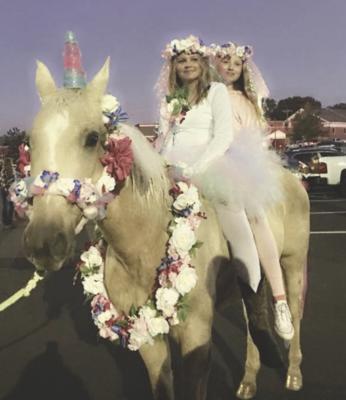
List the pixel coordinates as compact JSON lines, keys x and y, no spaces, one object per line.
{"x":251,"y":245}
{"x":268,"y":254}
{"x":236,"y":228}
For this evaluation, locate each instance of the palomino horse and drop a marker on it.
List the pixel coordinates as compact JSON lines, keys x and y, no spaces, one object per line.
{"x":66,"y":138}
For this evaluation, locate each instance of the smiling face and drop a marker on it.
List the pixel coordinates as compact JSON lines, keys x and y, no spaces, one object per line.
{"x":188,"y":67}
{"x":230,"y":68}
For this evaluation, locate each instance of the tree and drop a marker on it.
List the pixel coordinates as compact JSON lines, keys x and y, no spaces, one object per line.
{"x":307,"y":125}
{"x":340,"y":106}
{"x":13,"y":138}
{"x":269,"y":107}
{"x":290,"y":105}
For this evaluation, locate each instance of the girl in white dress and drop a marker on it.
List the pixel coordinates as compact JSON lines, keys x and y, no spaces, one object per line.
{"x":197,"y":138}
{"x":247,"y":90}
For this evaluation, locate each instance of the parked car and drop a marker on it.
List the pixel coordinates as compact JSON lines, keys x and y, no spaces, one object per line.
{"x":320,"y":165}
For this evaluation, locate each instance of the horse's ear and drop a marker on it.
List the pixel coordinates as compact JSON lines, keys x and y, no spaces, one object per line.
{"x":44,"y":81}
{"x":100,"y":80}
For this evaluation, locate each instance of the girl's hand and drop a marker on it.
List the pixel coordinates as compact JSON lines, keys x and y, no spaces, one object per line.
{"x":177,"y":173}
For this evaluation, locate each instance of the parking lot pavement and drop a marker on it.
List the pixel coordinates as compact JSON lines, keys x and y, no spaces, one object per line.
{"x":49,"y":348}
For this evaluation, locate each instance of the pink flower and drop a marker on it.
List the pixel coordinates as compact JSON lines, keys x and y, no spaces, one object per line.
{"x":194,"y":221}
{"x":100,"y":300}
{"x":37,"y":190}
{"x":107,"y":333}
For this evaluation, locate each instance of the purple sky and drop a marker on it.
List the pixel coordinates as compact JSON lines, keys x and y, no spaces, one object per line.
{"x":299,"y":45}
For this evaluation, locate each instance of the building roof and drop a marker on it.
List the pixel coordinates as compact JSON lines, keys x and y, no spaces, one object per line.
{"x":333,"y":114}
{"x":326,"y":114}
{"x":148,"y":130}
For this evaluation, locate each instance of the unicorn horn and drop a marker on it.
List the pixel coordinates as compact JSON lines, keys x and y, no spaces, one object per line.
{"x":74,"y":75}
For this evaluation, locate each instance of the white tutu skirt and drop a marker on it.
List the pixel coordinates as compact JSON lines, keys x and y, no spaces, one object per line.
{"x":246,"y":176}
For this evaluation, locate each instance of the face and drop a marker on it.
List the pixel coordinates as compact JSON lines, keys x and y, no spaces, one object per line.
{"x":230,"y":68}
{"x":188,"y":67}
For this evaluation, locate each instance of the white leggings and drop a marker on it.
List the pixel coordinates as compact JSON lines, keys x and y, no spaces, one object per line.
{"x":268,"y":254}
{"x":251,"y":245}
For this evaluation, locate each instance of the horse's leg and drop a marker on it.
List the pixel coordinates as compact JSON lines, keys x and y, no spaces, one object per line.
{"x":248,"y":387}
{"x":157,"y":359}
{"x":195,"y":345}
{"x":293,"y":267}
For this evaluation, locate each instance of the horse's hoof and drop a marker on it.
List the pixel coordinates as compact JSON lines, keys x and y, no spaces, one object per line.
{"x":246,"y":390}
{"x":294,"y":382}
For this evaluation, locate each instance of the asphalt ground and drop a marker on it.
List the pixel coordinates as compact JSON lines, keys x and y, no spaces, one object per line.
{"x":49,"y":348}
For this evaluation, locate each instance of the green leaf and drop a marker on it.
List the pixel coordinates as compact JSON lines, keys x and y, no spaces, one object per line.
{"x":182,"y":314}
{"x":192,"y":252}
{"x":122,"y":323}
{"x":177,"y":109}
{"x":133,"y":311}
{"x":198,"y":244}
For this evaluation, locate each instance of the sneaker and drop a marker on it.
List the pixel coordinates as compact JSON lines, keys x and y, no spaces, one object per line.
{"x":283,"y":320}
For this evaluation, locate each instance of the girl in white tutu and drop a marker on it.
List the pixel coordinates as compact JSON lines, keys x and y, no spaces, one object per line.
{"x":199,"y":137}
{"x":247,"y":90}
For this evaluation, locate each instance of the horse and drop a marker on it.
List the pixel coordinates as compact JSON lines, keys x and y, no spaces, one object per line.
{"x":67,"y":138}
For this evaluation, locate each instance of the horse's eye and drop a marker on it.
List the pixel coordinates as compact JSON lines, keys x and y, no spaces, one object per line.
{"x":92,"y":139}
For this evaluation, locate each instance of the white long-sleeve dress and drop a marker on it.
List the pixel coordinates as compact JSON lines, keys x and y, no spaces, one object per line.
{"x":229,"y":163}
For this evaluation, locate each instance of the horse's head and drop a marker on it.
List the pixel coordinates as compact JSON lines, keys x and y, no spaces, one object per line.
{"x":66,"y":138}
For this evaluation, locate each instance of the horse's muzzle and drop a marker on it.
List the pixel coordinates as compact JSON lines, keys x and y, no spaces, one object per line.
{"x":46,"y":248}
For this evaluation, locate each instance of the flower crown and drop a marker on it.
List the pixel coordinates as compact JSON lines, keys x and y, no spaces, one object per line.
{"x":190,"y":44}
{"x":230,"y":49}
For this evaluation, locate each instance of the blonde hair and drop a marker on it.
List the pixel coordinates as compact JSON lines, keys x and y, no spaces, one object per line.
{"x":246,"y":84}
{"x":249,"y":89}
{"x":204,"y":81}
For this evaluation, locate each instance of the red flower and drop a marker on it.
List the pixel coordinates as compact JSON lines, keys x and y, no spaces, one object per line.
{"x":175,"y":191}
{"x":23,"y":160}
{"x":118,"y":158}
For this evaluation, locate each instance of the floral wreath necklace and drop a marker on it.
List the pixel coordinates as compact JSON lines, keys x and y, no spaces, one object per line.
{"x":176,"y":277}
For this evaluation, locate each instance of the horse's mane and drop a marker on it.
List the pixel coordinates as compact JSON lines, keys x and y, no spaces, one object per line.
{"x":148,"y":176}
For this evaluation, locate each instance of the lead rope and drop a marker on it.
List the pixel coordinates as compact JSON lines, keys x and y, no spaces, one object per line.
{"x":36,"y":278}
{"x":24,"y":292}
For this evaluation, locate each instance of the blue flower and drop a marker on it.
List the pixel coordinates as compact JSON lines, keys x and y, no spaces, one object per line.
{"x":77,"y":187}
{"x":116,"y":117}
{"x":48,"y":177}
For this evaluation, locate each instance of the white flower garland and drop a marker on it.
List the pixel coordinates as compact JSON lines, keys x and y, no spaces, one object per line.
{"x":176,"y":277}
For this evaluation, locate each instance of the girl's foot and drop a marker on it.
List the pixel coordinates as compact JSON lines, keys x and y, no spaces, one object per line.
{"x":283,"y":320}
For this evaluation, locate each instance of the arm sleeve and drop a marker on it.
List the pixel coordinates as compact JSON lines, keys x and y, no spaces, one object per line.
{"x":162,"y":129}
{"x":222,"y":135}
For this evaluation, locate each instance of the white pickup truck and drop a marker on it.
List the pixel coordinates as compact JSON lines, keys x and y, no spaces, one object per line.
{"x":319,"y":166}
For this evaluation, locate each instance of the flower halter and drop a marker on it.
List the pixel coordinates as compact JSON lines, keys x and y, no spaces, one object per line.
{"x":91,"y":198}
{"x":231,"y":49}
{"x":191,"y":44}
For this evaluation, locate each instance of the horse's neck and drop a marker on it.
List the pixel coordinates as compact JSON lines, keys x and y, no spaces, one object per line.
{"x":136,"y":229}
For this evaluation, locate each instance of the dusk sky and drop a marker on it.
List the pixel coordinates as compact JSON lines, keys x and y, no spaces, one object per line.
{"x":299,"y":45}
